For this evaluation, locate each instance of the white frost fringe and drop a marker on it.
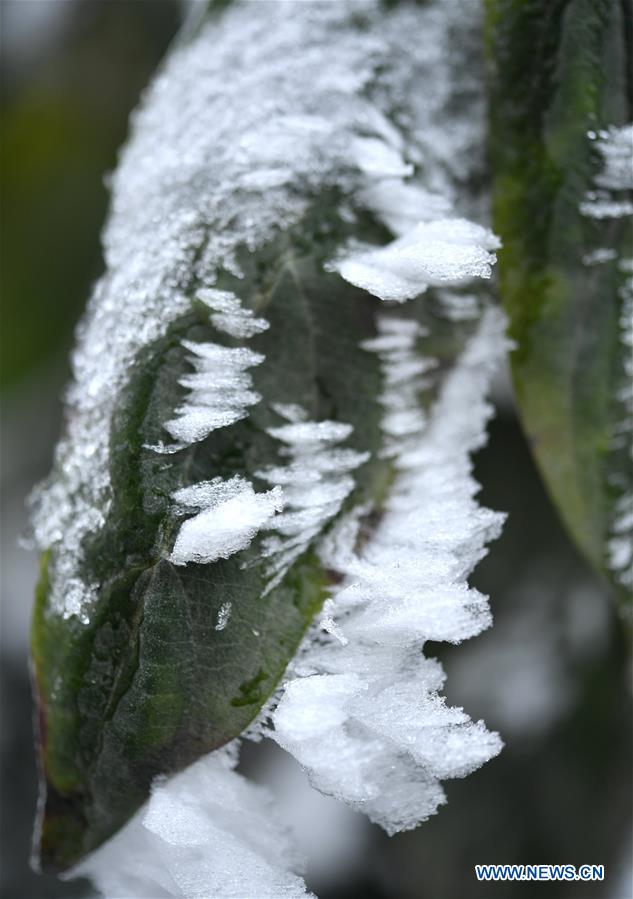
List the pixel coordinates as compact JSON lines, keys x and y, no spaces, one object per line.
{"x":230,"y":514}
{"x":315,"y":483}
{"x":204,"y":834}
{"x":363,"y":715}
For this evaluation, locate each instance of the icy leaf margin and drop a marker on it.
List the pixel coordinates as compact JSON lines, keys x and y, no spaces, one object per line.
{"x":360,"y":709}
{"x":363,"y":715}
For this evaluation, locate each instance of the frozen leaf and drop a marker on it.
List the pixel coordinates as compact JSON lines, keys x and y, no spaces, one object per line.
{"x":232,"y":401}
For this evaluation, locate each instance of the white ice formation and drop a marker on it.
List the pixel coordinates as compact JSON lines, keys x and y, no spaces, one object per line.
{"x":611,"y":200}
{"x":230,"y":514}
{"x":228,"y":314}
{"x":205,"y":834}
{"x":431,"y":254}
{"x":219,"y":391}
{"x":315,"y":483}
{"x":363,"y":714}
{"x":404,"y":370}
{"x":615,"y":146}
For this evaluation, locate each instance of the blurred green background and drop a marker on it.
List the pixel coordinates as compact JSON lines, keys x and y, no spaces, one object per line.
{"x":551,"y":675}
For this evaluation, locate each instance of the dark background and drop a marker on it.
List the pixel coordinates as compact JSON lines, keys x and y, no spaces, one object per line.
{"x":552,"y":675}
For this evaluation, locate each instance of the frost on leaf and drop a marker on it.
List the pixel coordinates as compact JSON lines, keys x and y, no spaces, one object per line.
{"x":219,"y":392}
{"x":446,"y":251}
{"x":315,"y":483}
{"x":363,"y":714}
{"x":208,"y":832}
{"x":230,"y":515}
{"x":609,"y":200}
{"x":253,"y":432}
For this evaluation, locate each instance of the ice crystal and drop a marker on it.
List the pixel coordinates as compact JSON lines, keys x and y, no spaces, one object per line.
{"x":315,"y":483}
{"x":614,"y":181}
{"x":219,"y":390}
{"x":363,"y":714}
{"x":229,"y":315}
{"x":223,"y":616}
{"x":230,"y":515}
{"x":205,"y":833}
{"x":403,"y":373}
{"x":615,"y":146}
{"x":446,"y":251}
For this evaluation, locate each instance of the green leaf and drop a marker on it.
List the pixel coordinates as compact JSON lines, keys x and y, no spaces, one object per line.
{"x":557,"y":71}
{"x":148,"y":684}
{"x":137,"y":672}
